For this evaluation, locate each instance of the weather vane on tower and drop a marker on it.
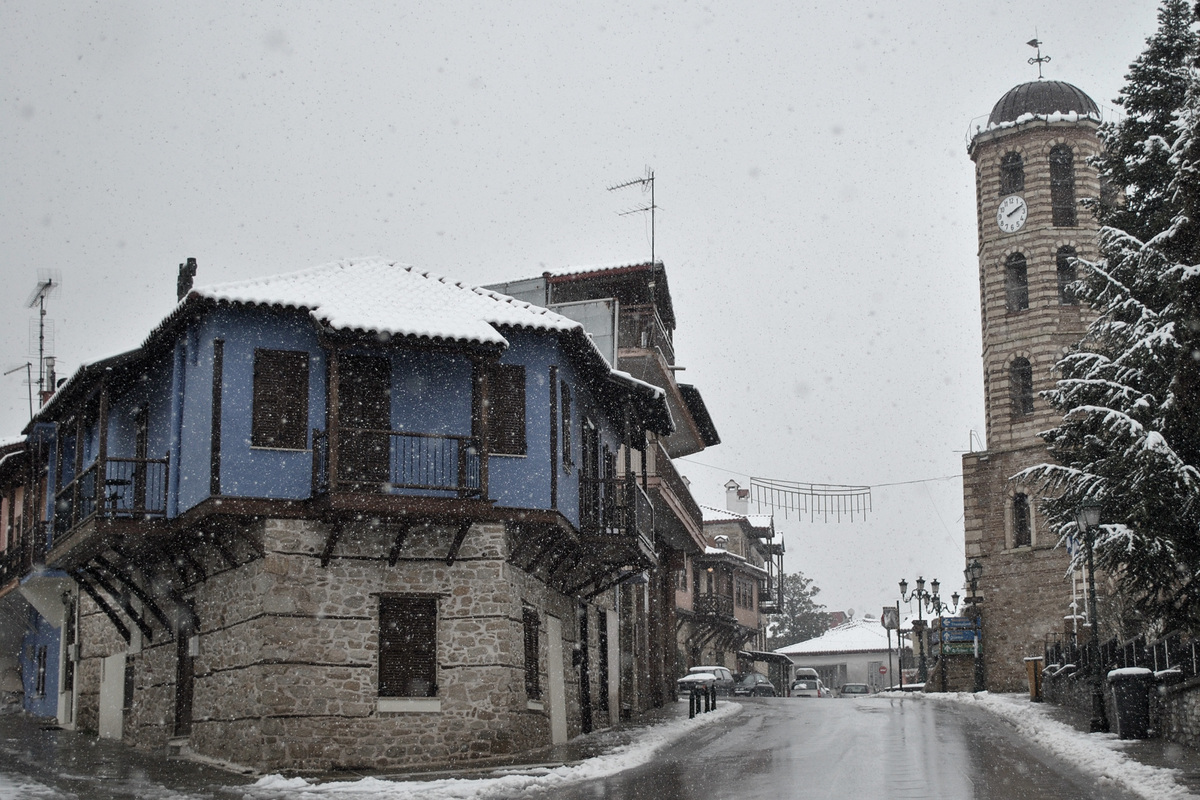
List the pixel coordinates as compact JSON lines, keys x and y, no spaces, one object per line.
{"x":1041,"y":59}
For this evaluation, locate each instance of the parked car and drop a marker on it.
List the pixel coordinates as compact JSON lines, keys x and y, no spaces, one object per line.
{"x":854,"y":690}
{"x":706,"y":677}
{"x":808,"y":687}
{"x":754,"y":684}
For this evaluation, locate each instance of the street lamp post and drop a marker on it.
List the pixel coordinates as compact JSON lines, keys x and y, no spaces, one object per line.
{"x":928,"y":600}
{"x":1088,"y":519}
{"x":973,"y":573}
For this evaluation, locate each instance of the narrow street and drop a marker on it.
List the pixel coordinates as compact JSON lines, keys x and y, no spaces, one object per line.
{"x":872,"y":748}
{"x":771,"y":748}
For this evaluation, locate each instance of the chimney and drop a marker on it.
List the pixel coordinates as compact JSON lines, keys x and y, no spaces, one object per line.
{"x":737,"y":499}
{"x":183,"y":284}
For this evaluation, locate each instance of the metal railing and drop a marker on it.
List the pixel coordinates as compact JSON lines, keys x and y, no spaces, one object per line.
{"x":1174,"y":651}
{"x":384,"y":460}
{"x":133,"y":488}
{"x":713,"y":605}
{"x":615,"y":507}
{"x":640,"y":327}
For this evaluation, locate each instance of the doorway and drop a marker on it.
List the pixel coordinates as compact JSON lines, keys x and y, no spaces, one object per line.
{"x":364,"y":419}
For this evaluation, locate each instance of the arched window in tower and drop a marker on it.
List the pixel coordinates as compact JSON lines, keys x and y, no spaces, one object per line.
{"x":1022,"y":529}
{"x":1012,"y":174}
{"x":1016,"y":283}
{"x":1062,"y":186}
{"x":1020,"y":376}
{"x":1065,"y":259}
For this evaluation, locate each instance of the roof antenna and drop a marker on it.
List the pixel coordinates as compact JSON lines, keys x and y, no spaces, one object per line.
{"x":48,"y":282}
{"x":646,"y":183}
{"x":1041,"y":59}
{"x":28,"y":381}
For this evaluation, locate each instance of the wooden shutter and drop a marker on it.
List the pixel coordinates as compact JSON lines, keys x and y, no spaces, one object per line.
{"x":506,"y":410}
{"x":533,"y":683}
{"x":280,"y":415}
{"x":566,"y":426}
{"x":407,"y":646}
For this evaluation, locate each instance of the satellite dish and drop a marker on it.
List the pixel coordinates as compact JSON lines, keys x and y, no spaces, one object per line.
{"x":849,"y":613}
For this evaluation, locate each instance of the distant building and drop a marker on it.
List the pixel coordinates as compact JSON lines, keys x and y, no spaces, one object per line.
{"x":856,"y":651}
{"x":1032,"y":167}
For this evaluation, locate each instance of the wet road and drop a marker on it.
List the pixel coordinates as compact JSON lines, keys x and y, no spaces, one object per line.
{"x":869,"y":748}
{"x":865,"y":749}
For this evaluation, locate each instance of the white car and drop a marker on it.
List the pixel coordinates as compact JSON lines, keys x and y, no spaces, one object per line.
{"x":719,"y":677}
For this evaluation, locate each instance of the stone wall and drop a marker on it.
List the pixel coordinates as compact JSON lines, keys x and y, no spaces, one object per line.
{"x":1174,"y":705}
{"x":286,"y":675}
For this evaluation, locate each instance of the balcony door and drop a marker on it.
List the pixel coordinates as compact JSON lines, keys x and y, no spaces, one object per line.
{"x":364,"y":416}
{"x":589,"y":477}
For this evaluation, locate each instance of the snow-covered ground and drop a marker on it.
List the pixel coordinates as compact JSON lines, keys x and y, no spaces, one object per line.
{"x":498,"y":784}
{"x":1097,"y":754}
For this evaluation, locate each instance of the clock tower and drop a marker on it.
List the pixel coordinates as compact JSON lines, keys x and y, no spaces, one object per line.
{"x":1031,"y":172}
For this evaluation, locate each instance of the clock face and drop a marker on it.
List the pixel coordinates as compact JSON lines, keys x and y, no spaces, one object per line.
{"x":1012,"y":213}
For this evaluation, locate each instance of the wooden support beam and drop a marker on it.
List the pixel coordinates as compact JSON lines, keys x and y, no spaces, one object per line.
{"x":554,"y":565}
{"x":551,"y":543}
{"x":141,"y":594}
{"x":108,"y":610}
{"x":463,"y":527}
{"x":126,"y":606}
{"x":397,"y":543}
{"x":335,"y":533}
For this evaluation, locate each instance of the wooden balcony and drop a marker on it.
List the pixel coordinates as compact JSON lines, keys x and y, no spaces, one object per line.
{"x":616,"y":521}
{"x":397,"y":462}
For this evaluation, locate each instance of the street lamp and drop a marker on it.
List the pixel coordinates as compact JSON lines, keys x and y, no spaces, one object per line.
{"x":924,"y":599}
{"x":973,"y":573}
{"x":1087,"y":518}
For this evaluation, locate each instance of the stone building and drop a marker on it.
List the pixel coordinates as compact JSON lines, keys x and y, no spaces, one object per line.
{"x":353,"y":516}
{"x":1031,"y":172}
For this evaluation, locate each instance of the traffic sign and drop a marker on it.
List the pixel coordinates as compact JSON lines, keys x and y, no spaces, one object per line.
{"x":957,"y":622}
{"x":959,"y":648}
{"x":882,"y":670}
{"x":957,"y":635}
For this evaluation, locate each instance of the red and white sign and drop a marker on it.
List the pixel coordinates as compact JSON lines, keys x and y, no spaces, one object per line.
{"x":883,"y":670}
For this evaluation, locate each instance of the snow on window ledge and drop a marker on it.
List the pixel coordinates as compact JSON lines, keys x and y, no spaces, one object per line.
{"x":534,"y":705}
{"x":403,"y":705}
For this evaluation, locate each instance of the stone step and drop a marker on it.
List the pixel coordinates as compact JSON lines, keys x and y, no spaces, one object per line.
{"x":178,"y":746}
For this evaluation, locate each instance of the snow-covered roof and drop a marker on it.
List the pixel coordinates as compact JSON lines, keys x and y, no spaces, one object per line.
{"x":587,"y":269}
{"x":379,"y":296}
{"x":714,"y":514}
{"x":861,"y":635}
{"x":9,"y":441}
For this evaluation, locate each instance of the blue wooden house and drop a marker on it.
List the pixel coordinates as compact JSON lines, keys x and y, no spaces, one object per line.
{"x":357,"y":515}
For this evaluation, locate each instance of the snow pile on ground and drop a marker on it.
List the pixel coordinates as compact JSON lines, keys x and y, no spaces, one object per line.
{"x":1096,"y":754}
{"x":645,"y":745}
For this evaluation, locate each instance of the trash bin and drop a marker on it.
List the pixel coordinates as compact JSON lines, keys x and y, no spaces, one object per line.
{"x":1033,"y":670}
{"x":1131,"y":695}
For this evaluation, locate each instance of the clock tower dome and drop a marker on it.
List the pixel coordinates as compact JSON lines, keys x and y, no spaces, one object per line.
{"x":1032,"y":171}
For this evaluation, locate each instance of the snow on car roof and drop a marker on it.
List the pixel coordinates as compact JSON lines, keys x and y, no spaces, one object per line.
{"x":381,"y":296}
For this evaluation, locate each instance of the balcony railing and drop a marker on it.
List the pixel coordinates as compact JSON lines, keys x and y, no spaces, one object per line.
{"x":641,"y":327}
{"x":615,"y":507}
{"x":132,"y":488}
{"x":387,"y":461}
{"x":715,"y":605}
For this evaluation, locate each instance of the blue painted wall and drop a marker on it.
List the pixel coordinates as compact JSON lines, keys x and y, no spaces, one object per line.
{"x":41,"y":634}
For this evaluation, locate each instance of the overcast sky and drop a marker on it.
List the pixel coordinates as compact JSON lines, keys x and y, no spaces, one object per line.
{"x":817,"y":213}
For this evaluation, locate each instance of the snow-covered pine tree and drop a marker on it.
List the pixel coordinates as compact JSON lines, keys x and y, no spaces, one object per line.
{"x":1134,"y":164}
{"x":1130,"y":400}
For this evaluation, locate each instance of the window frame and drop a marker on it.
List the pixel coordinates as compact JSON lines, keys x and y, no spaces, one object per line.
{"x":1067,"y":274}
{"x":1020,"y":377}
{"x":506,"y":410}
{"x":280,"y":388}
{"x":568,"y":460}
{"x":531,"y":638}
{"x":398,"y":679}
{"x":1062,"y":187}
{"x":1022,"y":520}
{"x":1012,"y":173}
{"x":1016,"y":283}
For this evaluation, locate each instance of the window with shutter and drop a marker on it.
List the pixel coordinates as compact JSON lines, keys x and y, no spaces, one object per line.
{"x":407,"y":646}
{"x":506,"y":410}
{"x":567,"y":460}
{"x":280,"y":412}
{"x":533,"y":683}
{"x":1021,"y":524}
{"x":1062,"y":186}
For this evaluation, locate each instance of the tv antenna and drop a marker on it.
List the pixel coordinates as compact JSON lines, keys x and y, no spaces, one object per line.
{"x":1041,"y":59}
{"x":647,"y":184}
{"x":28,"y":367}
{"x":48,"y":282}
